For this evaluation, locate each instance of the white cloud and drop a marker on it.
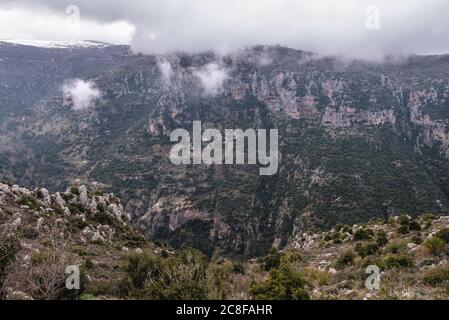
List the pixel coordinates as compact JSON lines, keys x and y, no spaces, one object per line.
{"x":323,"y":26}
{"x":166,"y":70}
{"x":212,"y":78}
{"x":81,"y":93}
{"x":39,"y":24}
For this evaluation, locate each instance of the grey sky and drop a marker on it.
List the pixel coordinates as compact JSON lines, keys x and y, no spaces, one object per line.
{"x":323,"y":26}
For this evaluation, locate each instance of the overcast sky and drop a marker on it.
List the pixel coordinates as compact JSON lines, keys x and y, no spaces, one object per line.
{"x":358,"y":28}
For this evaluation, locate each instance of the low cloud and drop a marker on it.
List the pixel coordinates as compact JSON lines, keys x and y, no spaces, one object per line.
{"x":358,"y":28}
{"x":212,"y":78}
{"x":44,"y":24}
{"x":82,"y":94}
{"x":166,"y":70}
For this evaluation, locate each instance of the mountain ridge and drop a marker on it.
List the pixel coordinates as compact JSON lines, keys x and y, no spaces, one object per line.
{"x":359,"y":140}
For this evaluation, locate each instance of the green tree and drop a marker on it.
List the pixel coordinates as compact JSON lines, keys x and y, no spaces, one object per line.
{"x":283,"y":283}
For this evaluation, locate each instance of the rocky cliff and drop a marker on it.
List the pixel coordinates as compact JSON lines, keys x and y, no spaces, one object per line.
{"x":358,"y":140}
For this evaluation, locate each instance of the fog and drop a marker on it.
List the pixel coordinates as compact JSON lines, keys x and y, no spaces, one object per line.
{"x":354,"y":28}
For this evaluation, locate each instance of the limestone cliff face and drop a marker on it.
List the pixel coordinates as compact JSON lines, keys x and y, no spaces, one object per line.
{"x":433,"y":130}
{"x":357,"y":140}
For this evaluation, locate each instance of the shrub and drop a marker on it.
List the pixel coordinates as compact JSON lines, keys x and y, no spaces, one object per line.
{"x":396,"y":247}
{"x":403,"y":229}
{"x":283,"y":283}
{"x":363,"y":234}
{"x":272,"y":260}
{"x":404,"y":220}
{"x":28,"y":201}
{"x":29,"y":232}
{"x":414,"y":226}
{"x":315,"y":276}
{"x":416,"y":239}
{"x":75,"y":224}
{"x":345,"y":259}
{"x":217,"y":279}
{"x":9,"y":247}
{"x":429,"y":217}
{"x":397,"y":261}
{"x":102,"y":287}
{"x":87,"y":296}
{"x":291,"y":256}
{"x":238,"y":268}
{"x":381,"y":239}
{"x":41,"y":257}
{"x":103,"y":218}
{"x":88,"y":264}
{"x":44,"y":278}
{"x":437,"y":276}
{"x":178,"y":277}
{"x":366,"y":249}
{"x":75,"y":190}
{"x":443,"y":234}
{"x":435,"y":246}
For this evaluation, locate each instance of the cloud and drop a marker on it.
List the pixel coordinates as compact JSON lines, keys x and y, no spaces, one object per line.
{"x":212,"y":78}
{"x":166,"y":70}
{"x":81,"y":93}
{"x":324,"y":26}
{"x":44,"y":24}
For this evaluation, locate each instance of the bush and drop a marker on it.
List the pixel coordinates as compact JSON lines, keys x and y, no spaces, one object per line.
{"x":283,"y":283}
{"x":272,"y":260}
{"x":178,"y":277}
{"x":427,"y":219}
{"x":404,"y":220}
{"x":396,"y":247}
{"x":291,"y":257}
{"x":363,"y":234}
{"x":88,"y":264}
{"x":443,"y":234}
{"x":414,"y":226}
{"x":75,"y":190}
{"x":238,"y":268}
{"x":345,"y":259}
{"x":366,"y":249}
{"x":416,"y":239}
{"x":102,"y":287}
{"x":28,"y":201}
{"x":437,"y":276}
{"x":103,"y":218}
{"x":435,"y":246}
{"x":381,"y":239}
{"x":403,"y":229}
{"x":316,"y":277}
{"x":9,"y":247}
{"x":397,"y":261}
{"x":44,"y":278}
{"x":29,"y":232}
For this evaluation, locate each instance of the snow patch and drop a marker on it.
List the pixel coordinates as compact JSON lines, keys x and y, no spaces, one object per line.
{"x":58,"y":44}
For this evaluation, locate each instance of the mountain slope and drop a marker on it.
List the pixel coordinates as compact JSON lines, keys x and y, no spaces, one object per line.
{"x":41,"y":234}
{"x":358,"y":140}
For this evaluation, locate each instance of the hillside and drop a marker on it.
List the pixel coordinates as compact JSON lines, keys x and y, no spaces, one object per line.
{"x":42,"y":233}
{"x":358,"y":140}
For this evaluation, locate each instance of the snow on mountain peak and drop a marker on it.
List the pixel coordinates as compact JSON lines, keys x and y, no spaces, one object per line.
{"x":58,"y":44}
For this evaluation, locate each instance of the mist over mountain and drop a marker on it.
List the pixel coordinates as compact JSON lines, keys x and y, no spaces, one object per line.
{"x":358,"y":140}
{"x":356,"y":28}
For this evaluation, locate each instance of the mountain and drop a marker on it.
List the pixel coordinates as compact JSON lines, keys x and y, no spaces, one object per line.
{"x":357,"y":140}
